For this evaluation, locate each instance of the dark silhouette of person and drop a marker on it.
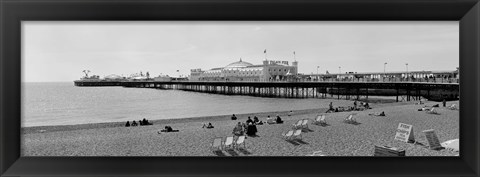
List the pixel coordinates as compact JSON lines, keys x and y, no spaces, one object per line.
{"x":279,"y":120}
{"x":251,"y":129}
{"x":330,"y":106}
{"x":444,"y":103}
{"x":234,"y":117}
{"x":128,"y":124}
{"x":255,"y":120}
{"x":145,"y":122}
{"x":134,"y":124}
{"x":209,"y":125}
{"x":140,"y":122}
{"x":382,"y":114}
{"x":249,"y":120}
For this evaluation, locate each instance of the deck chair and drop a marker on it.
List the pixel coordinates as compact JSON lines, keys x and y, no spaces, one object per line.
{"x":240,"y":140}
{"x":350,"y":119}
{"x":305,"y":124}
{"x":317,"y":120}
{"x":453,"y":107}
{"x":432,"y":111}
{"x":322,"y":120}
{"x":298,"y":133}
{"x":217,"y":144}
{"x":288,"y":135}
{"x":298,"y":124}
{"x":228,"y":142}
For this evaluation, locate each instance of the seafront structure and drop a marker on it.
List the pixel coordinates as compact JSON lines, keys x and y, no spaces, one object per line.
{"x":270,"y":70}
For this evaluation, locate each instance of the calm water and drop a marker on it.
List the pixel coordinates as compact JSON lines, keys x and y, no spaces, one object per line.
{"x":65,"y":104}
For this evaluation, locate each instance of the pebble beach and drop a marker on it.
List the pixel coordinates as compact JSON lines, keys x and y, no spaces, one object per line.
{"x":335,"y":139}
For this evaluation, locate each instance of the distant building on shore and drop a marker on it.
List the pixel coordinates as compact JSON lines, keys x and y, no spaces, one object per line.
{"x":270,"y":70}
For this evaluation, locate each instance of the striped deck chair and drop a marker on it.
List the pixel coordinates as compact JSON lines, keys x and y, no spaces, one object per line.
{"x":240,"y":140}
{"x":288,"y":135}
{"x":305,"y":124}
{"x":217,"y":144}
{"x":350,"y":119}
{"x":317,"y":120}
{"x":228,"y":143}
{"x":297,"y":134}
{"x":298,"y":124}
{"x":432,"y":111}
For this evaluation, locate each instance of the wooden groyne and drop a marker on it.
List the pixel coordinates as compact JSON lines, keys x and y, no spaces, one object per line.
{"x":404,"y":91}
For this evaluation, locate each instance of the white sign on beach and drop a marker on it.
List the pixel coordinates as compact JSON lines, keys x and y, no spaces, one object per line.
{"x":432,"y":139}
{"x":405,"y":133}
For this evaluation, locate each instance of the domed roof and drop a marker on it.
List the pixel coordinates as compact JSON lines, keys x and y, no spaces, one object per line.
{"x":238,"y":64}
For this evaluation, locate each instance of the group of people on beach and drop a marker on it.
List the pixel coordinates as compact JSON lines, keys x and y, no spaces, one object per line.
{"x":245,"y":128}
{"x":140,"y":122}
{"x":356,"y":107}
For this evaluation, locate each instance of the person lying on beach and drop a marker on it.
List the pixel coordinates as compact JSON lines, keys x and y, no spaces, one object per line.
{"x":279,"y":120}
{"x":134,"y":124}
{"x":128,"y":124}
{"x":169,"y":129}
{"x":377,"y":114}
{"x":234,"y":117}
{"x":437,"y":105}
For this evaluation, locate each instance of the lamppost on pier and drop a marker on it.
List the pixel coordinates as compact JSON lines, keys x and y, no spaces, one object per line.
{"x":384,"y":66}
{"x":406,"y":65}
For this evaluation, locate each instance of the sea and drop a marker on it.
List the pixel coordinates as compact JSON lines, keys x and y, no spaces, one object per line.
{"x":62,"y":103}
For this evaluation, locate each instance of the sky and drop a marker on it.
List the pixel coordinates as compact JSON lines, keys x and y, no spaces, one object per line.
{"x":58,"y":51}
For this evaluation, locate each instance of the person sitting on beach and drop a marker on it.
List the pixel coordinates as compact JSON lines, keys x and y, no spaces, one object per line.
{"x":128,"y":124}
{"x":367,"y":106}
{"x":270,"y":120}
{"x":209,"y":125}
{"x":249,"y":120}
{"x":169,"y":129}
{"x":134,"y":124}
{"x":330,"y":106}
{"x":251,"y":130}
{"x":290,"y":113}
{"x":140,"y":122}
{"x":279,"y":120}
{"x":145,"y":122}
{"x":355,"y":105}
{"x":238,"y":130}
{"x":234,"y":117}
{"x":255,"y":120}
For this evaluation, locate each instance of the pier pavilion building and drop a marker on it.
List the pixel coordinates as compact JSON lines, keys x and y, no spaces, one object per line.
{"x":270,"y":70}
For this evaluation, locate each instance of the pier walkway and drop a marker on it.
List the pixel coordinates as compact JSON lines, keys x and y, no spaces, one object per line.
{"x":404,"y":91}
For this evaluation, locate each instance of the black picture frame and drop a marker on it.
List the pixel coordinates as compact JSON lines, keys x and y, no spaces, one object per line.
{"x":13,"y":12}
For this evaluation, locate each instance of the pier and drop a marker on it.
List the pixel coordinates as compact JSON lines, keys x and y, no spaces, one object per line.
{"x":404,"y":91}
